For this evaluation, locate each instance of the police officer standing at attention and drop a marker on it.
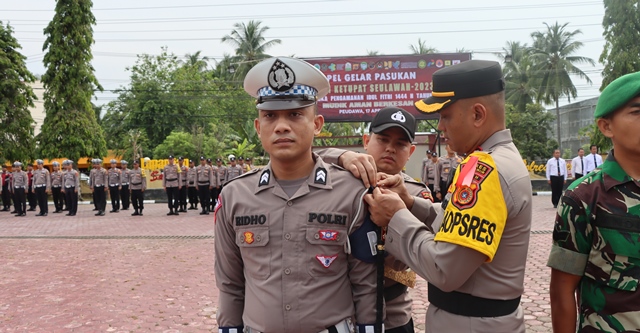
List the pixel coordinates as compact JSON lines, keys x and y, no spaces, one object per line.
{"x":31,"y":193}
{"x":431,"y":173}
{"x":445,"y":166}
{"x":282,"y":260}
{"x":222,"y":174}
{"x":99,"y":180}
{"x":192,"y":175}
{"x":71,"y":184}
{"x":213,"y":192}
{"x":248,"y":166}
{"x":594,"y":257}
{"x":206,"y":181}
{"x":475,"y":261}
{"x":556,"y":176}
{"x":233,"y":170}
{"x":19,"y":182}
{"x":138,"y":185}
{"x":42,"y":184}
{"x":184,"y":171}
{"x":125,"y":192}
{"x":6,"y":190}
{"x":172,"y":182}
{"x":56,"y":187}
{"x":115,"y":185}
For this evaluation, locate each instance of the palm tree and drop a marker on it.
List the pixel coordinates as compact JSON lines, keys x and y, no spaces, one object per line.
{"x":250,"y":44}
{"x":422,"y":48}
{"x":196,"y":61}
{"x":518,"y":69}
{"x":373,"y":53}
{"x":552,"y":53}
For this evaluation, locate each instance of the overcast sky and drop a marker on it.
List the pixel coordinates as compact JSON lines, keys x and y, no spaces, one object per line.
{"x":309,"y":28}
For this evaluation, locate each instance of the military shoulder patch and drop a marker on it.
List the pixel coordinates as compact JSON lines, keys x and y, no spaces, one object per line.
{"x":426,"y":194}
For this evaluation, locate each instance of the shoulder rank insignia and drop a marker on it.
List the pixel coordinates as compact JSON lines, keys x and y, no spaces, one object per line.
{"x":328,"y":235}
{"x":264,"y":178}
{"x":321,"y":176}
{"x":326,"y":261}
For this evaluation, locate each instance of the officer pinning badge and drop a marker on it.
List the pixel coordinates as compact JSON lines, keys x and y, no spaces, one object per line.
{"x":321,"y":176}
{"x":398,"y":116}
{"x":281,"y":77}
{"x":326,"y":261}
{"x":328,"y":235}
{"x":264,"y":178}
{"x":248,"y":237}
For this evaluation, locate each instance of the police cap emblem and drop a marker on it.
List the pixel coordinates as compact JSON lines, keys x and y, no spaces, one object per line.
{"x":281,"y":77}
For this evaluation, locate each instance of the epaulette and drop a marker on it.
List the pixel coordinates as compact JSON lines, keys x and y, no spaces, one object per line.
{"x":409,"y":179}
{"x":246,"y":174}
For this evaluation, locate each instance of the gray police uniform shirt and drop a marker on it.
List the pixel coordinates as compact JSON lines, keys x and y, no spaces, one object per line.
{"x":431,"y":174}
{"x":184,"y":173}
{"x":71,"y":179}
{"x":222,"y":175}
{"x":98,"y":177}
{"x":138,"y":179}
{"x":19,"y":179}
{"x":233,"y":172}
{"x":171,"y":176}
{"x":446,"y":165}
{"x":452,"y":267}
{"x":205,"y":176}
{"x":56,"y":179}
{"x":41,"y":178}
{"x":280,"y":261}
{"x":115,"y":177}
{"x":125,"y":176}
{"x":192,"y":175}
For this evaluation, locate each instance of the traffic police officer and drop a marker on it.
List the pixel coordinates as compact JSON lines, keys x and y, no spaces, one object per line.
{"x":99,"y":179}
{"x":56,"y":186}
{"x":124,"y":187}
{"x":138,"y":180}
{"x":595,"y":239}
{"x":172,"y":183}
{"x":115,"y":185}
{"x":41,"y":184}
{"x":233,"y":170}
{"x":70,"y":186}
{"x":475,"y":261}
{"x":192,"y":175}
{"x":282,"y":258}
{"x":19,"y":182}
{"x":205,"y":181}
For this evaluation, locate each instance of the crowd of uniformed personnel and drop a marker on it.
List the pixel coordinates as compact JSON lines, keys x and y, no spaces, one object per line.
{"x":28,"y":190}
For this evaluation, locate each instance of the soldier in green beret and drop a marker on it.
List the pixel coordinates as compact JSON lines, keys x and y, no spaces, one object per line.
{"x":596,"y":238}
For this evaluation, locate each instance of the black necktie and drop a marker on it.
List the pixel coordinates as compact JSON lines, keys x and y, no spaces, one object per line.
{"x":558,"y":163}
{"x":581,"y":166}
{"x":594,"y":161}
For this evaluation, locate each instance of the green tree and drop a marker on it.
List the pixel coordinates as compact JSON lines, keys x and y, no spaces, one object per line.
{"x":16,"y":96}
{"x":195,"y":60}
{"x":529,"y":130}
{"x":250,"y":45}
{"x":553,"y":54}
{"x":621,"y":53}
{"x":422,"y":48}
{"x":70,"y":128}
{"x":373,"y":53}
{"x":177,"y":144}
{"x":519,"y":73}
{"x":243,"y":149}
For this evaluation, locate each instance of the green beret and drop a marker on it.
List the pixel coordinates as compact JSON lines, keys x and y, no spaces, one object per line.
{"x":617,"y":94}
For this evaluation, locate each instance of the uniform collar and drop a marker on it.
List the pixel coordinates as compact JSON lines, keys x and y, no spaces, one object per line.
{"x":614,"y":175}
{"x":318,"y":178}
{"x":496,"y":139}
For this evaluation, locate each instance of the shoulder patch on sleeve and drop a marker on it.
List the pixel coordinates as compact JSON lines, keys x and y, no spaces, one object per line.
{"x":476,"y":214}
{"x":426,"y":194}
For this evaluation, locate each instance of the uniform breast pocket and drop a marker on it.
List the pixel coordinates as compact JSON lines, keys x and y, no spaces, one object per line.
{"x":255,"y":252}
{"x":614,"y":259}
{"x":325,"y":251}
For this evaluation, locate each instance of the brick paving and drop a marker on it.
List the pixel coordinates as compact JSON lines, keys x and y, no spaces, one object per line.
{"x":120,"y":273}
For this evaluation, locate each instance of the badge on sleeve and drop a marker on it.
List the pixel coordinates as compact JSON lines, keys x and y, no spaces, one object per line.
{"x":425,"y":194}
{"x":217,"y":207}
{"x":326,"y":261}
{"x":328,"y":235}
{"x":248,"y":237}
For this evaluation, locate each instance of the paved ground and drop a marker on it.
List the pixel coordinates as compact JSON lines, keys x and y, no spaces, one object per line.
{"x":155,"y":273}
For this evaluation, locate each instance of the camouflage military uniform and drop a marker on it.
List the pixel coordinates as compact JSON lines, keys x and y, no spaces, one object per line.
{"x":597,"y":236}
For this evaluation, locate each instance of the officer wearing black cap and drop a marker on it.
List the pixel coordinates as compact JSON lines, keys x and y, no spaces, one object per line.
{"x":222,"y":174}
{"x":278,"y":267}
{"x":56,"y":186}
{"x":42,"y":186}
{"x":205,"y":180}
{"x":184,"y":171}
{"x":475,"y":261}
{"x":115,"y":185}
{"x":19,"y":183}
{"x":70,"y":187}
{"x":172,"y":182}
{"x":233,"y":170}
{"x":213,"y":194}
{"x":125,"y":192}
{"x":31,"y":193}
{"x":192,"y":175}
{"x":99,"y":179}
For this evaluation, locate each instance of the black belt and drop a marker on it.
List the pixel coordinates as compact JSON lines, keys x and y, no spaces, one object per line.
{"x":204,"y":183}
{"x":394,"y":291}
{"x":172,"y":180}
{"x":431,"y":179}
{"x":471,"y":306}
{"x":136,"y":183}
{"x":98,"y":185}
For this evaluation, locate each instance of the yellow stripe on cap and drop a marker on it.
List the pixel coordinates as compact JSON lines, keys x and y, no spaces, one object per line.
{"x":429,"y":108}
{"x":443,"y":94}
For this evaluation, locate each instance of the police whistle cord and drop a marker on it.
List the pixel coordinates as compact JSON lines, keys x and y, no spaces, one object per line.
{"x":378,"y":327}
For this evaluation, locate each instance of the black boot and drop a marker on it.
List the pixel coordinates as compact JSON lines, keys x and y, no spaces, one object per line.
{"x":140,"y":212}
{"x":204,"y":211}
{"x":135,"y":213}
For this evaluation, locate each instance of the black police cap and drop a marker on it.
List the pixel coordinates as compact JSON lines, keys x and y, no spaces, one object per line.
{"x":394,"y":117}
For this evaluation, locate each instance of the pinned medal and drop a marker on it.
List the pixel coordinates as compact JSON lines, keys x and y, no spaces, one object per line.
{"x":328,"y":235}
{"x":248,"y":237}
{"x":326,"y":261}
{"x":281,"y":77}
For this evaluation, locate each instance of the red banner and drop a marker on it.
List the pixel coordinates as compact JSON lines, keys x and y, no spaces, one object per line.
{"x":361,"y":86}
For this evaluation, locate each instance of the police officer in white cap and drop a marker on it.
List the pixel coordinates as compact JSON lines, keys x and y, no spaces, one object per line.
{"x":283,"y":261}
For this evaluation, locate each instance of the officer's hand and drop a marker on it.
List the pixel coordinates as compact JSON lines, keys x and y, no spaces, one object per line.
{"x":362,"y":166}
{"x":395,"y":183}
{"x":165,"y":189}
{"x":62,"y":191}
{"x":383,"y":204}
{"x":210,"y":188}
{"x":549,"y":182}
{"x":439,"y":196}
{"x":75,"y":191}
{"x":142,"y":190}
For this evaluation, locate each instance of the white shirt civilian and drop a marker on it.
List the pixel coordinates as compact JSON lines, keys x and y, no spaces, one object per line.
{"x":592,"y":162}
{"x":556,"y":167}
{"x":578,"y":165}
